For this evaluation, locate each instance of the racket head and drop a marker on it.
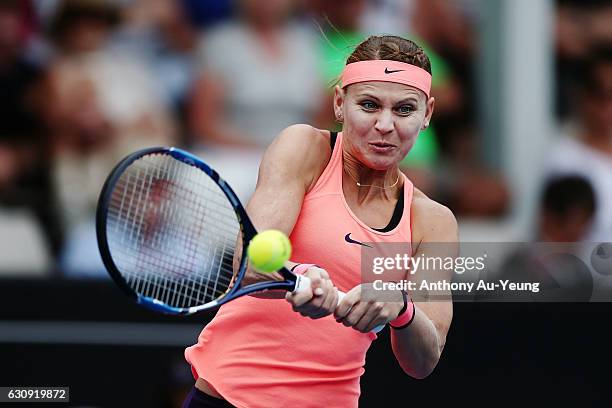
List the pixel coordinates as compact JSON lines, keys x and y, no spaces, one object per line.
{"x":163,"y":194}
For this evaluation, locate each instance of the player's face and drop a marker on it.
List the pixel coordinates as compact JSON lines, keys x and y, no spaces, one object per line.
{"x":382,"y":120}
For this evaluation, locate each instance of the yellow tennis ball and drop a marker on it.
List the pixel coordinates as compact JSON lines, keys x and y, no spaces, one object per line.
{"x":269,"y":250}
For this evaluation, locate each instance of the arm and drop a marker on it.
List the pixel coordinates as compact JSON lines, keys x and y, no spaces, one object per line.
{"x":419,"y":346}
{"x":289,"y":168}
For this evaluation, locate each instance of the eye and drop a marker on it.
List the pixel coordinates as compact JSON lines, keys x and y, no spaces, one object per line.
{"x":368,"y":105}
{"x":405,"y":109}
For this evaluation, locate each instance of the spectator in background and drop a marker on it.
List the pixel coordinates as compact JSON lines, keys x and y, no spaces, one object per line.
{"x":387,"y":16}
{"x":581,"y":27}
{"x":586,"y":144}
{"x":557,"y":259}
{"x":448,"y":28}
{"x":567,"y":209}
{"x":106,"y":104}
{"x":160,"y":34}
{"x":258,"y":75}
{"x":462,"y":181}
{"x":25,"y":188}
{"x":20,"y":136}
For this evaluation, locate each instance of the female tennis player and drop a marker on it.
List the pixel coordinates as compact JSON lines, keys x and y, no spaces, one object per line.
{"x":332,"y":193}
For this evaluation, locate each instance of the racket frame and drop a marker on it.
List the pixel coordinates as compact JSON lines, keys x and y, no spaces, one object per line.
{"x":291,"y":283}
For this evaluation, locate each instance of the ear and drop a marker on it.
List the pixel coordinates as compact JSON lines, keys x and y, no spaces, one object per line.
{"x":431,"y":102}
{"x":338,"y":103}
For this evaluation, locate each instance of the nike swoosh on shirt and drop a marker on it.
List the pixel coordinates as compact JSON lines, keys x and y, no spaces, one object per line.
{"x":348,"y":239}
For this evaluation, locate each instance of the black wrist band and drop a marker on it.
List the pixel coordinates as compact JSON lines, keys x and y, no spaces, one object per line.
{"x":411,"y":319}
{"x":296,"y":265}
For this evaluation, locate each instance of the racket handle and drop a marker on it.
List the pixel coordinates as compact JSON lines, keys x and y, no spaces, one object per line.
{"x":303,"y":282}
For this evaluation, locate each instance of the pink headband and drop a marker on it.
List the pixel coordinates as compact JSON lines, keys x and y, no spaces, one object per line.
{"x":387,"y":71}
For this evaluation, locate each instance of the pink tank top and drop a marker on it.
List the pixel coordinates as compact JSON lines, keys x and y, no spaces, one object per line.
{"x":259,"y":353}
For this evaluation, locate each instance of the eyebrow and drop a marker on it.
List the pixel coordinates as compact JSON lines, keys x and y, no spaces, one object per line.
{"x":412,"y":99}
{"x":367,"y":95}
{"x":408,"y":99}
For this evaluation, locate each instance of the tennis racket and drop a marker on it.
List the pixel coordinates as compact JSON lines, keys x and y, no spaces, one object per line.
{"x":173,"y":234}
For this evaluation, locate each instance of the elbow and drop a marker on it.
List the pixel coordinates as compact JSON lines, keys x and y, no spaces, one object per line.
{"x":424,"y":368}
{"x":422,"y":374}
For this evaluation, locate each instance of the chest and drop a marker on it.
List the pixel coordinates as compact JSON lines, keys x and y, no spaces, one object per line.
{"x":329,"y":234}
{"x":376,"y":215}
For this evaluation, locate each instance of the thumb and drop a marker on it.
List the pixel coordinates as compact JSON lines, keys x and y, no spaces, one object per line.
{"x":299,"y":298}
{"x":316,"y":284}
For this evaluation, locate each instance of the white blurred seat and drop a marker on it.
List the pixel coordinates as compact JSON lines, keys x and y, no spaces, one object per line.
{"x":80,"y":257}
{"x":23,"y":250}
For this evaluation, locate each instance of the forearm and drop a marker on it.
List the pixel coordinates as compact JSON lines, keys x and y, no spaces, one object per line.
{"x":253,"y":277}
{"x":417,"y":347}
{"x":282,"y":183}
{"x":267,"y":212}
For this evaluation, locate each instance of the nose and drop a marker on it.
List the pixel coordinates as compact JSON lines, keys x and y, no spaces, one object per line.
{"x":384,"y":122}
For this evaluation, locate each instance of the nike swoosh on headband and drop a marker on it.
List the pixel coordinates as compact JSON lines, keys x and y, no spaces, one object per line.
{"x":348,"y":239}
{"x":387,"y":71}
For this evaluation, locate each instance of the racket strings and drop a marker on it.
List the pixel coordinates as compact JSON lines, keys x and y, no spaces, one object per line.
{"x":170,"y":290}
{"x":132,"y":186}
{"x":150,"y":257}
{"x":172,"y":232}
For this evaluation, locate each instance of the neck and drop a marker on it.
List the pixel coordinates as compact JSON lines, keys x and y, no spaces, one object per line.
{"x":369,"y":183}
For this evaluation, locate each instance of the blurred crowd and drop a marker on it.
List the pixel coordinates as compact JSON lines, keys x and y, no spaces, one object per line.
{"x":85,"y":82}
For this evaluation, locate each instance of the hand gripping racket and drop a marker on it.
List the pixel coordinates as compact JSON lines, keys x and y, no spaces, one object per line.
{"x":173,"y":235}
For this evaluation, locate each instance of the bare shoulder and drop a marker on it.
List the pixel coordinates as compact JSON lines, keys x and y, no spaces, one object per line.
{"x":432,"y":221}
{"x":299,"y":150}
{"x":302,"y":139}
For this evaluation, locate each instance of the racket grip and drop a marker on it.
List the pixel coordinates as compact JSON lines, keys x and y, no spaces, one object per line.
{"x":303,"y":282}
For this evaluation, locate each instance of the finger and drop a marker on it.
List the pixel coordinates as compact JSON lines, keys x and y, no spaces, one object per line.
{"x":316,"y":284}
{"x":331,"y":299}
{"x":308,"y":313}
{"x":314,"y":312}
{"x":344,"y":306}
{"x":371,"y":315}
{"x":322,"y":303}
{"x":317,"y":301}
{"x":322,"y":272}
{"x":321,"y":306}
{"x":363,"y":323}
{"x":318,"y":315}
{"x":354,"y":314}
{"x":384,"y":316}
{"x":298,"y":299}
{"x":375,"y":326}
